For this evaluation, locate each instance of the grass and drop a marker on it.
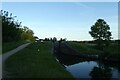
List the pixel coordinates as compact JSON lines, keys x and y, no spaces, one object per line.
{"x":11,"y":45}
{"x":0,"y":49}
{"x":84,"y":48}
{"x":36,"y":61}
{"x":111,"y":51}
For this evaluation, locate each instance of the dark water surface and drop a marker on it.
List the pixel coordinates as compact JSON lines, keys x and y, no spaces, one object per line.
{"x":82,"y":68}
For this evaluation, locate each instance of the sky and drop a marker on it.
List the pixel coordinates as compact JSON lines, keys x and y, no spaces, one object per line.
{"x":71,"y":20}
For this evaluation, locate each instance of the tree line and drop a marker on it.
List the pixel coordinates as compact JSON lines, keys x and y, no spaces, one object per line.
{"x":12,"y":30}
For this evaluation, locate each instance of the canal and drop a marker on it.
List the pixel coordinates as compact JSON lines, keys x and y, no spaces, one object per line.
{"x":85,"y":68}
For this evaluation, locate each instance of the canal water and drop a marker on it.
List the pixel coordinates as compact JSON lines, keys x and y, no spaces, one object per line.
{"x":87,"y":69}
{"x":82,"y":68}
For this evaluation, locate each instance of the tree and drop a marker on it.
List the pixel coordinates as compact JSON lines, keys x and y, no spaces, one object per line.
{"x":36,"y":38}
{"x":61,"y":39}
{"x":12,"y":30}
{"x":100,"y":32}
{"x":10,"y":27}
{"x":27,"y":34}
{"x":54,"y":39}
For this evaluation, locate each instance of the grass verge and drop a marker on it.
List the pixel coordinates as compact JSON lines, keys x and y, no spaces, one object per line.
{"x":35,"y":61}
{"x":84,"y":48}
{"x":11,"y":45}
{"x":111,"y":52}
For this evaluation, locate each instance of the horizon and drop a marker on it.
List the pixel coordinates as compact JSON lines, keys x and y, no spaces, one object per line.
{"x":71,"y":20}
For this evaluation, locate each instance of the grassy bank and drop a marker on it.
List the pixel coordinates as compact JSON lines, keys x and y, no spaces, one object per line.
{"x":84,"y":48}
{"x":110,"y":52}
{"x":0,"y":49}
{"x":11,"y":45}
{"x":36,"y":61}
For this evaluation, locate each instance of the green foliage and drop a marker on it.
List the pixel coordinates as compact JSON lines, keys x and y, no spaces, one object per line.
{"x":83,"y":48}
{"x":111,"y":51}
{"x":54,"y":39}
{"x":12,"y":29}
{"x":27,"y":34}
{"x":7,"y":46}
{"x":100,"y":32}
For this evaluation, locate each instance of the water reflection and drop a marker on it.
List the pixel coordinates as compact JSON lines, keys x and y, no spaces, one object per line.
{"x":101,"y":72}
{"x":85,"y":68}
{"x":81,"y":68}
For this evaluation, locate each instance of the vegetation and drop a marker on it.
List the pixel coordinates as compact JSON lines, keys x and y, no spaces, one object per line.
{"x":111,"y":52}
{"x":11,"y":45}
{"x":27,"y":34}
{"x":35,"y":61}
{"x":84,"y":48}
{"x":12,"y":30}
{"x":13,"y":34}
{"x":100,"y":32}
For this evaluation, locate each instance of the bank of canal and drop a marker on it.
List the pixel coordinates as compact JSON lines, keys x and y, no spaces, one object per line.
{"x":89,"y":68}
{"x":34,"y":62}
